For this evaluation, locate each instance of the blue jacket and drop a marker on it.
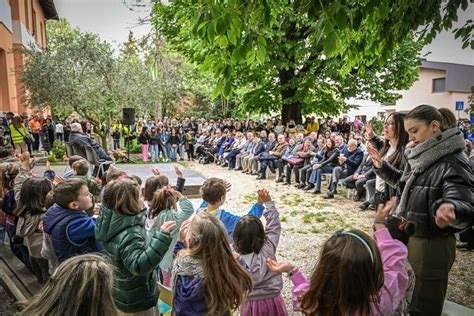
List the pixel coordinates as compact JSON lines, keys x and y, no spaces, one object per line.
{"x":79,"y":141}
{"x":230,"y":220}
{"x":354,"y":159}
{"x":165,"y":137}
{"x":288,"y":152}
{"x":188,"y":298}
{"x":72,"y":232}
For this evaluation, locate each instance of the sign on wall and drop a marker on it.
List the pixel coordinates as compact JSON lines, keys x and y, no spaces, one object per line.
{"x":459,"y":105}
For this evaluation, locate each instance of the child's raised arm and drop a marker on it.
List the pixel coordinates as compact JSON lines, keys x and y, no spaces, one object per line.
{"x":273,"y":225}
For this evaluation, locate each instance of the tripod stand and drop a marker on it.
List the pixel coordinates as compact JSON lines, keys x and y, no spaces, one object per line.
{"x":129,"y":139}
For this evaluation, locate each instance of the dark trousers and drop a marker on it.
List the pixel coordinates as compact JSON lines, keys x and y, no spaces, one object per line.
{"x":357,"y":184}
{"x":431,"y":260}
{"x":36,"y":143}
{"x":281,"y":163}
{"x":40,"y":269}
{"x":305,"y":173}
{"x":190,"y":151}
{"x":231,"y":157}
{"x":264,"y":163}
{"x":296,"y":170}
{"x":337,"y":173}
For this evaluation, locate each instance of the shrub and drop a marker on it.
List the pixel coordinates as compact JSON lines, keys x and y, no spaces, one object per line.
{"x":58,"y":150}
{"x":52,"y":157}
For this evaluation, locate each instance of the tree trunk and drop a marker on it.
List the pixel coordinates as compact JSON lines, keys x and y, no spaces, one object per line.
{"x":290,"y":110}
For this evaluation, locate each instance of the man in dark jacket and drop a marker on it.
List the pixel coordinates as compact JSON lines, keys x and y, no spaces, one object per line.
{"x":360,"y":177}
{"x":273,"y":155}
{"x":78,"y":140}
{"x":347,"y":166}
{"x":263,"y":155}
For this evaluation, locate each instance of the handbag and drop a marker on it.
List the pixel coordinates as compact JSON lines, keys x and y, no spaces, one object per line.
{"x":295,"y":161}
{"x":26,"y":139}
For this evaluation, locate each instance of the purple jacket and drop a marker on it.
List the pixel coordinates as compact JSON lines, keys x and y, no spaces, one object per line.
{"x":266,"y":284}
{"x":394,"y":258}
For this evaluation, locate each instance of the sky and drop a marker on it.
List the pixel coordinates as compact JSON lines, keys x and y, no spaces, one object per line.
{"x":112,"y":20}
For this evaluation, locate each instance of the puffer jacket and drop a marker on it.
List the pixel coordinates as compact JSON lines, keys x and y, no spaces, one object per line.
{"x":125,"y":242}
{"x":449,"y":179}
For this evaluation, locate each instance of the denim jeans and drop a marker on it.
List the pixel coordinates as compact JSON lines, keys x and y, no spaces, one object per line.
{"x":316,"y":175}
{"x":174,"y":152}
{"x":154,"y":152}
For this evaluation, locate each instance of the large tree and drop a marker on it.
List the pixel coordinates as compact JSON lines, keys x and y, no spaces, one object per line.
{"x":304,"y":56}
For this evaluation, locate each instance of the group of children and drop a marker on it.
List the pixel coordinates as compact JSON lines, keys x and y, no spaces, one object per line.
{"x":217,"y":263}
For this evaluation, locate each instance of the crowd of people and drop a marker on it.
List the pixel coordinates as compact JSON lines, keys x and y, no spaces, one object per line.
{"x":100,"y":247}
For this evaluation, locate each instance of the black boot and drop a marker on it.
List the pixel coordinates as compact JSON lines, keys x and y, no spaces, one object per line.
{"x":308,"y":187}
{"x":280,"y":179}
{"x":261,"y":176}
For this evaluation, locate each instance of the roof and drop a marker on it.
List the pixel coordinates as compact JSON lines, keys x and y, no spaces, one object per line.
{"x":459,"y":77}
{"x":49,"y":9}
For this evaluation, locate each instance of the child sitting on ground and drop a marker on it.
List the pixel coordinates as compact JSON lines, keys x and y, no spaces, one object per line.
{"x":355,"y":274}
{"x":134,"y":254}
{"x":213,"y":193}
{"x":80,"y":170}
{"x":255,"y":245}
{"x":70,"y":229}
{"x":162,"y":209}
{"x":70,"y":161}
{"x":207,"y":278}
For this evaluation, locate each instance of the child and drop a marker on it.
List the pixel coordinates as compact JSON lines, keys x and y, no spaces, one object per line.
{"x":70,"y":161}
{"x":80,"y":170}
{"x":144,"y":140}
{"x":69,"y":229}
{"x":154,"y":145}
{"x":30,"y":211}
{"x":174,"y":143}
{"x":355,"y":274}
{"x":163,"y":208}
{"x":207,"y":278}
{"x":255,"y":244}
{"x":80,"y":286}
{"x":213,"y":193}
{"x":120,"y":228}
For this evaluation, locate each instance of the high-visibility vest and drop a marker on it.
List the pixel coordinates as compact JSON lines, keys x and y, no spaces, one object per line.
{"x":17,"y":135}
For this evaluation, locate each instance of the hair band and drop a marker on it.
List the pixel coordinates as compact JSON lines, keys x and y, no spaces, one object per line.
{"x":362,"y":240}
{"x":122,"y":177}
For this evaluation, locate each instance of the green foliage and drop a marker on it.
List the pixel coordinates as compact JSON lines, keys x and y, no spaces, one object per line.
{"x":59,"y":149}
{"x":304,"y":56}
{"x":52,"y":157}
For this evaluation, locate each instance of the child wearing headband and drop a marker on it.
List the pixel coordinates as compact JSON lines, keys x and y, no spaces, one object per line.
{"x":355,"y":275}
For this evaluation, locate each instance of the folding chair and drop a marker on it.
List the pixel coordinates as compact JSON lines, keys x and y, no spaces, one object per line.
{"x":93,"y":159}
{"x":69,"y":153}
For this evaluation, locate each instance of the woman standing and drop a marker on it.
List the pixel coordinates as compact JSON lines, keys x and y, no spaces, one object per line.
{"x":144,"y":140}
{"x":436,"y":190}
{"x":18,"y":134}
{"x":49,"y":135}
{"x":388,"y":150}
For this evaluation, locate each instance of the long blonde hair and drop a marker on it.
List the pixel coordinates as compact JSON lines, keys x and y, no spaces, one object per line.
{"x":81,"y":285}
{"x":226,"y":282}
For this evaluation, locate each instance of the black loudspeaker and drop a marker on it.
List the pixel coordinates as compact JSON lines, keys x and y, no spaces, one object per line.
{"x":128,"y":116}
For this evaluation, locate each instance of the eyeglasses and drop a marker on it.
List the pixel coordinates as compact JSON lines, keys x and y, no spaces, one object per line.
{"x":389,"y":124}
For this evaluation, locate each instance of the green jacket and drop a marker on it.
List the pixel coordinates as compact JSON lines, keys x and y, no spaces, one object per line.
{"x":179,"y":217}
{"x":133,"y":257}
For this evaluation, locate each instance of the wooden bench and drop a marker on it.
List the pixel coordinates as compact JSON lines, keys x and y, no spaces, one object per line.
{"x":17,"y":280}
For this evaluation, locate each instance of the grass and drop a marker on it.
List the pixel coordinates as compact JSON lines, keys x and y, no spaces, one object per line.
{"x":250,"y":198}
{"x":283,"y":219}
{"x":315,"y":230}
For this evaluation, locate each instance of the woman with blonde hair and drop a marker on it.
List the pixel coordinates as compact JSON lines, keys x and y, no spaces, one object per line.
{"x":81,"y":285}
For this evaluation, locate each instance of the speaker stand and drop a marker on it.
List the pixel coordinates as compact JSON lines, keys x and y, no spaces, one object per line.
{"x":129,"y":140}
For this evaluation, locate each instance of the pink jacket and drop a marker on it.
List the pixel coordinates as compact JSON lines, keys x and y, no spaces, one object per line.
{"x":394,"y":256}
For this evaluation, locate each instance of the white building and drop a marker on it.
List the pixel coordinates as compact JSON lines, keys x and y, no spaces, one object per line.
{"x":446,"y":77}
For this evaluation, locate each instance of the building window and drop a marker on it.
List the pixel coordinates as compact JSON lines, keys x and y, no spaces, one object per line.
{"x":27,"y":15}
{"x":34,"y":24}
{"x":439,"y":84}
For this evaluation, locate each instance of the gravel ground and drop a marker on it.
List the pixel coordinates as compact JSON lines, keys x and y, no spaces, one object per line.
{"x":308,"y":220}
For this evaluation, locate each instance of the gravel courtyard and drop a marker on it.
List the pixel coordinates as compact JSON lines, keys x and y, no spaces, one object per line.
{"x":308,"y":220}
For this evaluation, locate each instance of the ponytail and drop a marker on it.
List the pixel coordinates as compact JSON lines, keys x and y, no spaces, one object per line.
{"x":427,"y":113}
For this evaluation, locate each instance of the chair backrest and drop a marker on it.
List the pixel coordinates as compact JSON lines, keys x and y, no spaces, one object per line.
{"x":69,"y":150}
{"x":91,"y":156}
{"x":78,"y":150}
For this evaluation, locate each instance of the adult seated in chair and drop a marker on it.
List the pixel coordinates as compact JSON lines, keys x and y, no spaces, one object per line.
{"x":237,"y":146}
{"x":272,"y":157}
{"x":246,"y":151}
{"x":78,"y":140}
{"x":348,"y":164}
{"x":360,"y":177}
{"x":305,"y":172}
{"x":263,"y":155}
